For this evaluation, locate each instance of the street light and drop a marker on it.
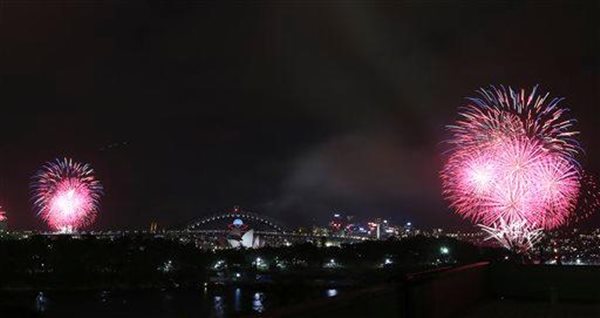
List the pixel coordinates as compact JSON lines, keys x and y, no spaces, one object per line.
{"x":260,"y":264}
{"x":331,"y":264}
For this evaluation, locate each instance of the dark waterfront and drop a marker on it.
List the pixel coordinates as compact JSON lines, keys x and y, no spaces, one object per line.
{"x":148,"y":276}
{"x":216,"y":301}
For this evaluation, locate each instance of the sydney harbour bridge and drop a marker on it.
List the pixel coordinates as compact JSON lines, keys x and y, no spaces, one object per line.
{"x":240,"y":228}
{"x":230,"y":228}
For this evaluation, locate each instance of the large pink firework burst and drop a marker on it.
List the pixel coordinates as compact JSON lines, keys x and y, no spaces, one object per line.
{"x":66,"y":194}
{"x":512,"y":166}
{"x":512,"y":180}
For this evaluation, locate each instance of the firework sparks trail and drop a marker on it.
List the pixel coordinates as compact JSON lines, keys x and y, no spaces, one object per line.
{"x":66,"y":194}
{"x":517,"y":236}
{"x":512,"y":166}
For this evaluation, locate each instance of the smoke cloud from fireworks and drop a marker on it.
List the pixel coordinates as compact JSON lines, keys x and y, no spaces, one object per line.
{"x":66,"y":194}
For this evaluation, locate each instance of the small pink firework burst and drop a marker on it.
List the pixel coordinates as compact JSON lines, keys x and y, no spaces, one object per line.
{"x":66,"y":194}
{"x":589,"y":199}
{"x":512,"y":168}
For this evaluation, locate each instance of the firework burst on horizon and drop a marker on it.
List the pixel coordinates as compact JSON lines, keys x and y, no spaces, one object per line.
{"x":518,"y":236}
{"x":66,"y":194}
{"x":512,"y":168}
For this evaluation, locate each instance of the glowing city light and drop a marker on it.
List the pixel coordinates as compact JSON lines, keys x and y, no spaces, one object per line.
{"x":260,"y":264}
{"x":220,"y":264}
{"x":332,"y":264}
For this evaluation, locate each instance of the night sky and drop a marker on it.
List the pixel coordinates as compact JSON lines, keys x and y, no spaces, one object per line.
{"x":287,"y":110}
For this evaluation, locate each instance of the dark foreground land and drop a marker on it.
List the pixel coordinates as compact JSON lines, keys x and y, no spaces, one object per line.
{"x":145,"y":261}
{"x":60,"y":276}
{"x":472,"y":291}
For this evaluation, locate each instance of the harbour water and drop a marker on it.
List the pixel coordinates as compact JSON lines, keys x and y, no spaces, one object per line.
{"x":210,"y":302}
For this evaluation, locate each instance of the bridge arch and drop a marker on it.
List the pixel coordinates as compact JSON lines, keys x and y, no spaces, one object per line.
{"x":237,"y":214}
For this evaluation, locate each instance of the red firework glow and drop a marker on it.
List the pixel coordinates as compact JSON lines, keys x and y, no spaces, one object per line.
{"x":66,"y":194}
{"x":512,"y":168}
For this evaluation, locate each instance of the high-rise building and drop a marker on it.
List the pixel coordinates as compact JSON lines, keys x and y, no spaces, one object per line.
{"x":337,"y":223}
{"x":153,"y":227}
{"x":3,"y":220}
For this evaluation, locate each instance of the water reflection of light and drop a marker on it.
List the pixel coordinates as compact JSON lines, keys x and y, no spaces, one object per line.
{"x":41,"y":302}
{"x":104,"y":296}
{"x":205,"y":290}
{"x":332,"y":292}
{"x":237,"y":300}
{"x":257,"y":302}
{"x":219,"y":307}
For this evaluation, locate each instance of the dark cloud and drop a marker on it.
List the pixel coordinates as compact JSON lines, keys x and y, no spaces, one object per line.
{"x":292,"y":111}
{"x":364,"y":174}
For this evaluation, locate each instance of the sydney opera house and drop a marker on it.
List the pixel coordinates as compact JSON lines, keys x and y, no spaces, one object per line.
{"x":241,"y":235}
